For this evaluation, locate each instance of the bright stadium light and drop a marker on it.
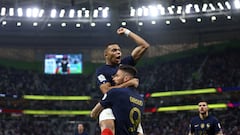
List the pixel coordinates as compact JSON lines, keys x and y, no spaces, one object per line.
{"x":49,"y":24}
{"x":105,"y":12}
{"x":53,"y":13}
{"x":3,"y":11}
{"x":124,"y":23}
{"x":229,"y":17}
{"x":145,"y":11}
{"x":19,"y":24}
{"x":79,"y":13}
{"x":78,"y":25}
{"x":20,"y":12}
{"x":220,"y":6}
{"x":95,"y":13}
{"x":213,"y":18}
{"x":139,"y":12}
{"x":153,"y":22}
{"x":170,"y":10}
{"x":179,"y":9}
{"x":11,"y":11}
{"x":35,"y":24}
{"x":228,"y":5}
{"x":153,"y":11}
{"x":132,"y":12}
{"x":108,"y":24}
{"x":4,"y":23}
{"x":93,"y":24}
{"x":162,"y":9}
{"x":29,"y":12}
{"x":199,"y":20}
{"x":41,"y":13}
{"x":140,"y":23}
{"x":87,"y":14}
{"x":63,"y":24}
{"x":212,"y":7}
{"x":168,"y":22}
{"x":62,"y":13}
{"x":237,"y":4}
{"x":204,"y":8}
{"x":188,"y":8}
{"x":71,"y":13}
{"x":196,"y":7}
{"x":35,"y":12}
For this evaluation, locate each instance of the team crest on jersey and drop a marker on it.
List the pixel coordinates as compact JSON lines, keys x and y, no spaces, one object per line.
{"x":101,"y":78}
{"x":202,"y":125}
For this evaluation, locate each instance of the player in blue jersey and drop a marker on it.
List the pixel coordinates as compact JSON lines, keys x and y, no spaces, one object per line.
{"x":113,"y":58}
{"x":204,"y":124}
{"x":126,"y":103}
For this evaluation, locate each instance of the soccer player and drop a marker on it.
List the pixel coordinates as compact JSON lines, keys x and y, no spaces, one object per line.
{"x":126,"y":103}
{"x":204,"y":124}
{"x":113,"y":58}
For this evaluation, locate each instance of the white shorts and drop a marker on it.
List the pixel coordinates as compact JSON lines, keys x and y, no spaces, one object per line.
{"x":106,"y":114}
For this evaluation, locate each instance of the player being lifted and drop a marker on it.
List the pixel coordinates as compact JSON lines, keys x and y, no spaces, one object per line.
{"x":113,"y":58}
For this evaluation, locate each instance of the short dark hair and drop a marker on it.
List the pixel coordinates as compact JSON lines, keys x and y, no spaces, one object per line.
{"x":129,"y":69}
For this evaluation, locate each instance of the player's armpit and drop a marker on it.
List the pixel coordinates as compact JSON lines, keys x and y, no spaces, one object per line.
{"x":96,"y":110}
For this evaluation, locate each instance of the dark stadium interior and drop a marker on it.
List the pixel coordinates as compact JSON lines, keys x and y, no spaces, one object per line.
{"x":182,"y":56}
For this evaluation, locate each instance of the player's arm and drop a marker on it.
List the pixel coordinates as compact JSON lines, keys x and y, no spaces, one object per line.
{"x":142,"y":45}
{"x":105,"y":87}
{"x":220,"y":133}
{"x":96,"y":110}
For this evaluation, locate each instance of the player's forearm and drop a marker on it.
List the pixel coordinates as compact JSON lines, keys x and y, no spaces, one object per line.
{"x":96,"y":110}
{"x":138,"y":40}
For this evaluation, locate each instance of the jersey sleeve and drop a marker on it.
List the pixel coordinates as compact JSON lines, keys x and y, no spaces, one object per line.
{"x":101,"y":77}
{"x":108,"y":99}
{"x":217,"y":125}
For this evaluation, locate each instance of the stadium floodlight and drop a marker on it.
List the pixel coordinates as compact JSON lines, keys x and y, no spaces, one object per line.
{"x":229,"y":17}
{"x":237,"y":4}
{"x":145,"y":11}
{"x":35,"y":24}
{"x":183,"y":20}
{"x":220,"y":6}
{"x":228,"y":5}
{"x":124,"y":23}
{"x":79,"y":13}
{"x":168,"y":22}
{"x":87,"y":13}
{"x":196,"y":7}
{"x":213,"y":18}
{"x":139,"y":12}
{"x":4,"y":23}
{"x":35,"y":12}
{"x":188,"y":8}
{"x":105,"y":12}
{"x":49,"y":24}
{"x":153,"y":22}
{"x":140,"y":23}
{"x":78,"y":25}
{"x":41,"y":13}
{"x":199,"y":20}
{"x":92,"y":24}
{"x":212,"y":7}
{"x":62,"y":13}
{"x":11,"y":11}
{"x":179,"y":9}
{"x":95,"y":13}
{"x":63,"y":24}
{"x":170,"y":10}
{"x":132,"y":11}
{"x":162,"y":9}
{"x":29,"y":12}
{"x":108,"y":24}
{"x":20,"y":12}
{"x":19,"y":24}
{"x":3,"y":11}
{"x":153,"y":11}
{"x":71,"y":13}
{"x":53,"y":13}
{"x":204,"y":8}
{"x":100,"y":8}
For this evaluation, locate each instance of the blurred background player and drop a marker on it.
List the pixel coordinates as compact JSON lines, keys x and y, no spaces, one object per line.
{"x":113,"y":58}
{"x":126,"y":103}
{"x":204,"y":124}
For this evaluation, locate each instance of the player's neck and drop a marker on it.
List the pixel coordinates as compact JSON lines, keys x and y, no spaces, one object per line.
{"x":203,"y":115}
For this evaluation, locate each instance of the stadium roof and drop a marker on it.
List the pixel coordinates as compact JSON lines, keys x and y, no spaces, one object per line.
{"x":211,"y":25}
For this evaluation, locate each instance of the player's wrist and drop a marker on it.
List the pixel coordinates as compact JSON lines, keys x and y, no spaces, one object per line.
{"x":127,"y":32}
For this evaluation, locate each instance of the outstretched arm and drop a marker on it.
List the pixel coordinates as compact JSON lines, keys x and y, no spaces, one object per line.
{"x":142,"y":45}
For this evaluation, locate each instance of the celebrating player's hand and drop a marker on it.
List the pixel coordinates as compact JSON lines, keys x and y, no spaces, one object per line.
{"x":121,"y":30}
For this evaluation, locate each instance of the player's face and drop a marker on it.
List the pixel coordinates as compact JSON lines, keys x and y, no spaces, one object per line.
{"x":113,"y":54}
{"x":202,"y":107}
{"x":118,"y":78}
